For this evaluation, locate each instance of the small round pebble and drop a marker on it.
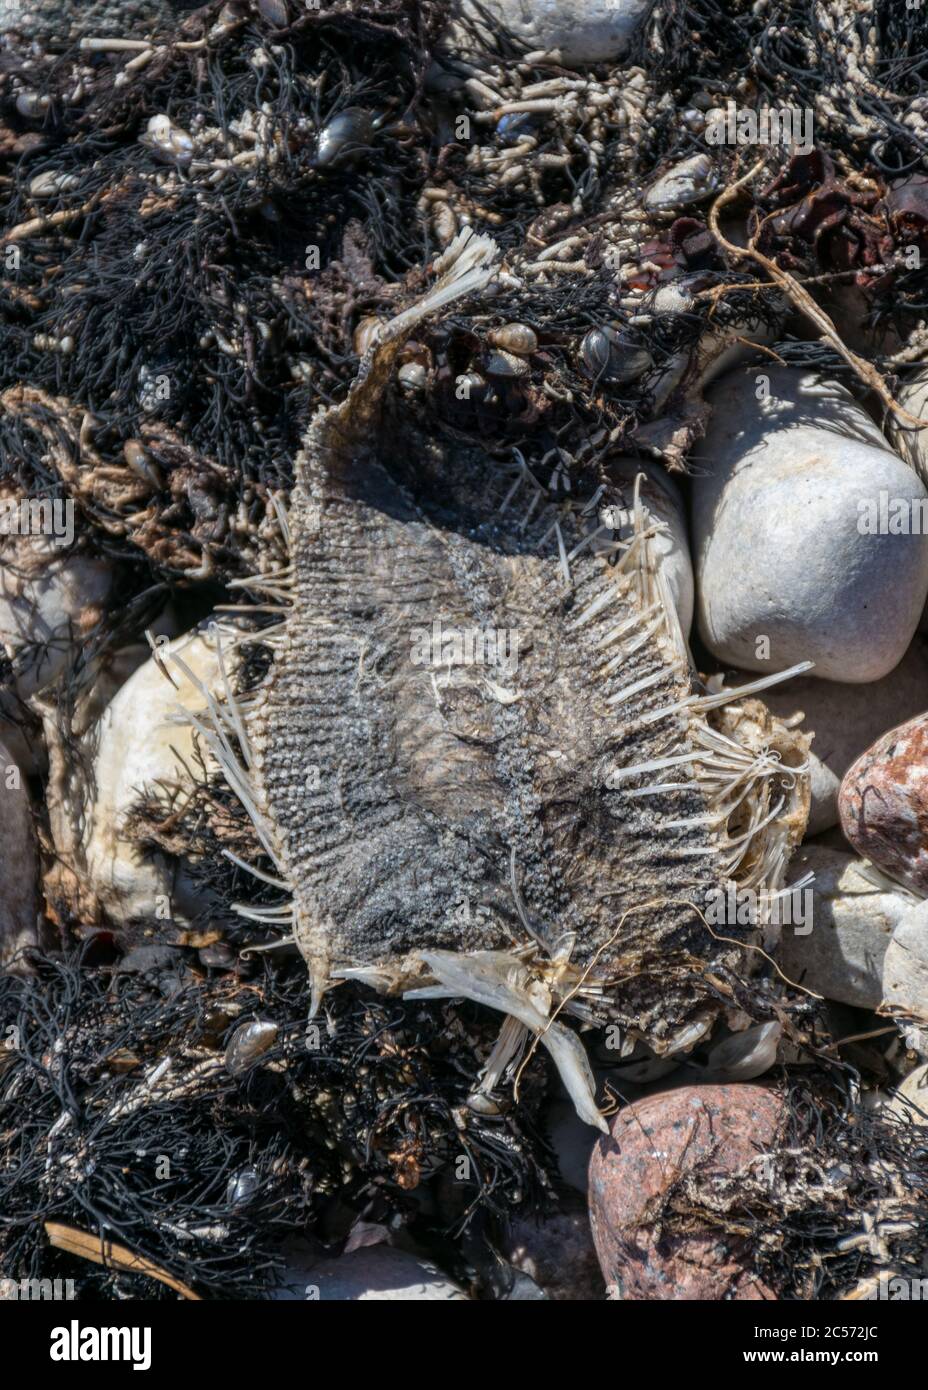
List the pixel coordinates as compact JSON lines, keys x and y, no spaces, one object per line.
{"x":883,"y":804}
{"x":651,"y":1142}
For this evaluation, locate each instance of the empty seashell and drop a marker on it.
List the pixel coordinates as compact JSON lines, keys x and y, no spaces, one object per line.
{"x":412,"y":376}
{"x":249,"y":1042}
{"x":515,"y":125}
{"x":514,"y":337}
{"x":51,"y":182}
{"x":346,"y":134}
{"x":31,"y":104}
{"x":612,"y":356}
{"x":242,"y":1186}
{"x":168,"y":139}
{"x":366,"y":333}
{"x":141,"y":462}
{"x":688,"y":182}
{"x":673,"y":298}
{"x":745,"y":1055}
{"x":275,"y":12}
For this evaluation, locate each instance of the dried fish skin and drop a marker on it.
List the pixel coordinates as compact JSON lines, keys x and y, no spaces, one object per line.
{"x":420,"y":800}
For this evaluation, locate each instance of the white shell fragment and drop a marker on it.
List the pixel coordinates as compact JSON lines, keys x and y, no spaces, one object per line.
{"x":744,"y":1056}
{"x":687,"y":182}
{"x":168,"y":139}
{"x":786,"y":569}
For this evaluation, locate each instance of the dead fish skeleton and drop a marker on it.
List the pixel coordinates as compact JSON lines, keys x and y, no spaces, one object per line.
{"x":533,"y":837}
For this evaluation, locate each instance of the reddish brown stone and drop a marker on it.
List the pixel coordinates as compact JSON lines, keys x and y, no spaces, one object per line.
{"x":651,"y":1143}
{"x":883,"y":803}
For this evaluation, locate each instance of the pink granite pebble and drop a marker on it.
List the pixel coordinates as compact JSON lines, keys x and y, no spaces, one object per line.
{"x":651,"y":1142}
{"x":883,"y":804}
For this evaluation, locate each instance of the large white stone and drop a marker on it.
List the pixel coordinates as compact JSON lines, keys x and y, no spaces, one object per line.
{"x":853,"y":921}
{"x":777,"y":541}
{"x":139,"y":747}
{"x":845,"y":720}
{"x":18,"y":866}
{"x":905,"y":967}
{"x":581,"y":31}
{"x":661,"y":496}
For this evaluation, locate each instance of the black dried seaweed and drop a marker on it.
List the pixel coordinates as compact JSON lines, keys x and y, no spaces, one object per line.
{"x":840,"y":1195}
{"x":363,"y":1111}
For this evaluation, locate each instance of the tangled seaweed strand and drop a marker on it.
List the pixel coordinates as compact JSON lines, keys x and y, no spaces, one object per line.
{"x":840,"y":1195}
{"x":201,"y":298}
{"x":119,"y":1117}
